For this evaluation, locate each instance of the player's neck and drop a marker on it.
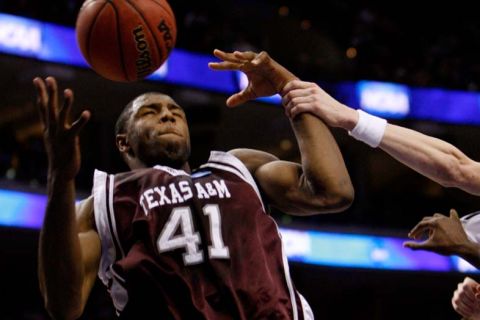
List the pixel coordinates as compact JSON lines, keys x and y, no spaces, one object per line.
{"x":137,"y":164}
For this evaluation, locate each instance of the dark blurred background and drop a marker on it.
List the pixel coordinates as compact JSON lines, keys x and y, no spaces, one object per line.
{"x":322,"y":41}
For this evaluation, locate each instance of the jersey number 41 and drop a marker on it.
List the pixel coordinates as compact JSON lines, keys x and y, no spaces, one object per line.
{"x":189,"y":239}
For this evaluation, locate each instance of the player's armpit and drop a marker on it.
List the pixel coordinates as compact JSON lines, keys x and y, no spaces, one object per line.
{"x":287,"y":188}
{"x":253,"y":159}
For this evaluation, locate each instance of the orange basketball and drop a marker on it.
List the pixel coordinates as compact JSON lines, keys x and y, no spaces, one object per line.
{"x":126,"y":40}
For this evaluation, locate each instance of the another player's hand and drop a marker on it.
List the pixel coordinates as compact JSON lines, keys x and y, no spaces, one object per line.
{"x":60,"y":137}
{"x":466,"y":299}
{"x":266,"y":77}
{"x":445,"y":235}
{"x":300,"y":97}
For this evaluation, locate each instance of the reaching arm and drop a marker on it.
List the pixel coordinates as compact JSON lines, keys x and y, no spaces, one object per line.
{"x":69,"y":248}
{"x":321,"y":183}
{"x":431,"y":157}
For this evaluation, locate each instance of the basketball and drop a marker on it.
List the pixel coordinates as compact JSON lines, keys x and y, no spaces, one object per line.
{"x":125,"y":40}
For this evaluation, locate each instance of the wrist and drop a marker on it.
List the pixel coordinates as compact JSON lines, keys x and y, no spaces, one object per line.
{"x":59,"y":176}
{"x":369,"y":129}
{"x":283,"y":77}
{"x":349,"y":118}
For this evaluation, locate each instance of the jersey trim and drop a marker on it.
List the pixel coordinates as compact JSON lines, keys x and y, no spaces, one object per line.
{"x":471,"y":225}
{"x":228,"y":162}
{"x":286,"y":269}
{"x":103,"y":226}
{"x":106,"y":225}
{"x":171,"y":171}
{"x":307,"y":310}
{"x":111,"y":213}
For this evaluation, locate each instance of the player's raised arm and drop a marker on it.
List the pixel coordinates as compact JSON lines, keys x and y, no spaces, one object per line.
{"x":69,"y":249}
{"x":321,"y":183}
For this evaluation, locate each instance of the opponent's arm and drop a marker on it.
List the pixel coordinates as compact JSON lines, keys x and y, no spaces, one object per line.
{"x":321,"y":183}
{"x":444,"y":235}
{"x":432,"y":157}
{"x":69,"y":248}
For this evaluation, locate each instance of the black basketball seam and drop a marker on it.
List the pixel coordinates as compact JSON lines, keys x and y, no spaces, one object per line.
{"x":170,"y":11}
{"x":148,"y":25}
{"x":89,"y":33}
{"x":119,"y":38}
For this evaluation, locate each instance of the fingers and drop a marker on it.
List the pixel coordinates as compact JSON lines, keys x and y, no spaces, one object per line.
{"x":295,"y":93}
{"x":454,"y":214}
{"x":232,"y":61}
{"x":80,"y":122}
{"x":424,"y":245}
{"x":52,"y":108}
{"x":245,"y":55}
{"x":295,"y":84}
{"x":239,"y":98}
{"x":420,"y":229}
{"x":298,"y":105}
{"x":67,"y":106}
{"x":227,"y":56}
{"x":225,"y":65}
{"x":47,"y":102}
{"x":42,"y":99}
{"x":463,"y":300}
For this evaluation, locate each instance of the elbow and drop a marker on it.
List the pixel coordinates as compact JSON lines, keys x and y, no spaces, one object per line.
{"x":340,"y":200}
{"x":63,"y":312}
{"x":332,"y":201}
{"x":340,"y":195}
{"x":62,"y":309}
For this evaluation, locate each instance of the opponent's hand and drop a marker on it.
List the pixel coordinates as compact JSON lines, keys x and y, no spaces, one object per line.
{"x":445,"y":235}
{"x":266,"y":77}
{"x":466,"y":299}
{"x":300,"y":97}
{"x":60,"y":137}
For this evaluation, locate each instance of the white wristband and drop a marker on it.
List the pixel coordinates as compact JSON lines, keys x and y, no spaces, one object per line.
{"x":369,"y":129}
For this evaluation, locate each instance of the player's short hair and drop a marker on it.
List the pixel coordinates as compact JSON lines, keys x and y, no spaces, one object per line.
{"x":121,"y":124}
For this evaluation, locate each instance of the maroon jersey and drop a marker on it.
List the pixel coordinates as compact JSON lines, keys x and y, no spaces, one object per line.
{"x":192,"y":246}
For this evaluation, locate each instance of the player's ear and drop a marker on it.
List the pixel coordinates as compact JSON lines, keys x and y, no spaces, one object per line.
{"x":122,"y":143}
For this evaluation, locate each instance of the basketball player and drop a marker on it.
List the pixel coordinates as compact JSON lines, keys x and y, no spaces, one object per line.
{"x":174,"y":243}
{"x":432,"y":157}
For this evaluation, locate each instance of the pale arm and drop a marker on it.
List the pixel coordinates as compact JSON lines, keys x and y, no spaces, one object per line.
{"x":431,"y":157}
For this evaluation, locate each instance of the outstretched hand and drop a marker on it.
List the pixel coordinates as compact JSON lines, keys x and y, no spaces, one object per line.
{"x":60,"y":136}
{"x":266,"y":77}
{"x":445,"y":235}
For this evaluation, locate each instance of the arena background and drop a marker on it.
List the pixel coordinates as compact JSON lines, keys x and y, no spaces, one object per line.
{"x":345,"y":40}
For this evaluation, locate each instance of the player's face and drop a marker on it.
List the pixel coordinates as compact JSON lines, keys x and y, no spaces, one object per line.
{"x":158,"y":131}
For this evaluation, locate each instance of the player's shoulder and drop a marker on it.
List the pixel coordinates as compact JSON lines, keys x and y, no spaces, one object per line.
{"x":253,"y":159}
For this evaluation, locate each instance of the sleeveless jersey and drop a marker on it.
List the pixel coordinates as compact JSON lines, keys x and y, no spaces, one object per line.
{"x":192,"y":246}
{"x":471,"y":225}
